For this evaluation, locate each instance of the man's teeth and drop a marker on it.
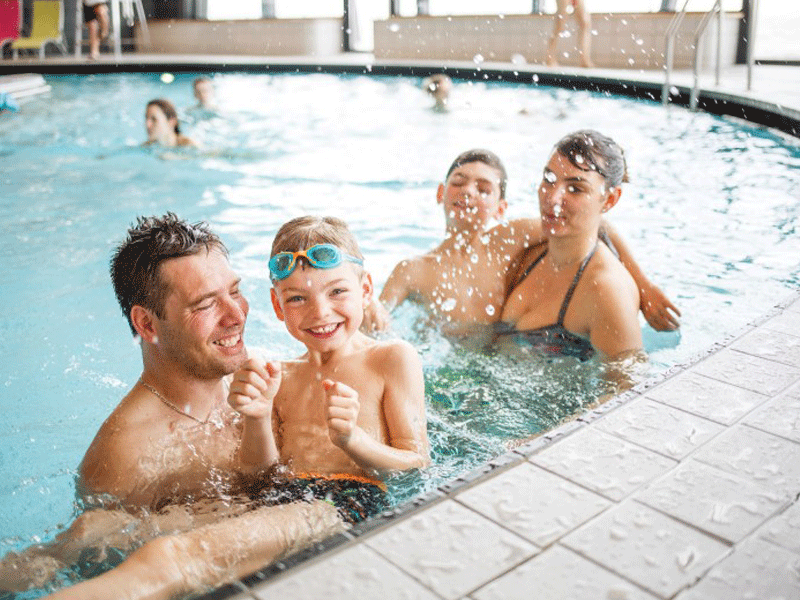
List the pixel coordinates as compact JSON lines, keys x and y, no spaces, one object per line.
{"x":229,"y":342}
{"x":325,"y":328}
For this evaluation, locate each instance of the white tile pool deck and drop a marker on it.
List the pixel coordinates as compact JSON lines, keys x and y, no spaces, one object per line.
{"x":686,"y":487}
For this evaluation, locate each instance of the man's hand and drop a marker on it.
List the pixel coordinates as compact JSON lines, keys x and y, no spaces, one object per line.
{"x":342,"y":409}
{"x":254,"y":388}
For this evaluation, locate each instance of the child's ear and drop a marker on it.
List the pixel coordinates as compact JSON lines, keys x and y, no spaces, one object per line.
{"x":143,"y":321}
{"x":367,"y":288}
{"x":611,"y":198}
{"x":276,"y":304}
{"x":440,"y":194}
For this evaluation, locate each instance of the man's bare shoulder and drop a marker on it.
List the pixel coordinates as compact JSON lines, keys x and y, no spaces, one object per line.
{"x":115,"y":452}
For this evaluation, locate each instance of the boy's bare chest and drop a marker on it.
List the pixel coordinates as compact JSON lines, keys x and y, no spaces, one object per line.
{"x":469,"y":289}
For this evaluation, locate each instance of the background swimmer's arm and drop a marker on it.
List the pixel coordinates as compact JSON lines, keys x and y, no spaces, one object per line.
{"x":518,"y":234}
{"x":376,"y":317}
{"x":403,"y":410}
{"x":397,"y":288}
{"x":655,"y":305}
{"x":400,"y":284}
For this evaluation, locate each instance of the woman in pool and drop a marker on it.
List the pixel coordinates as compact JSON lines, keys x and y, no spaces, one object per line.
{"x":573,"y":296}
{"x":161,"y":121}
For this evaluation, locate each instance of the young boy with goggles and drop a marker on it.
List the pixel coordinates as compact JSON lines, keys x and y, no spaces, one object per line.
{"x":349,"y":410}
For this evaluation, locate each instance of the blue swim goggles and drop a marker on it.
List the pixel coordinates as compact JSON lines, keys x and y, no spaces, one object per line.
{"x":320,"y":256}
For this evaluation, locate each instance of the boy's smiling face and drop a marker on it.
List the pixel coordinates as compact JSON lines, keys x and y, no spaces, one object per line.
{"x":322,"y":308}
{"x":471,"y":195}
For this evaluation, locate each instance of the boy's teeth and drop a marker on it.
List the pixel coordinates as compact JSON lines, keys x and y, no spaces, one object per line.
{"x":325,"y":328}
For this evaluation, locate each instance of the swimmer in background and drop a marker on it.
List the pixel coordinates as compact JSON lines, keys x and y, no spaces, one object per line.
{"x":203,"y":89}
{"x":95,"y":15}
{"x":462,"y":282}
{"x":438,"y":86}
{"x":337,"y":420}
{"x":574,"y":297}
{"x":161,"y":122}
{"x":584,"y":31}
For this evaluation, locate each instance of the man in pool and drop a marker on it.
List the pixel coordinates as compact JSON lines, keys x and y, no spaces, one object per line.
{"x":462,"y":282}
{"x":168,"y":458}
{"x":347,"y":411}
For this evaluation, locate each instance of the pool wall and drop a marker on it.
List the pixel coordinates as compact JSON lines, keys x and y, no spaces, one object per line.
{"x":634,"y":85}
{"x":592,"y":483}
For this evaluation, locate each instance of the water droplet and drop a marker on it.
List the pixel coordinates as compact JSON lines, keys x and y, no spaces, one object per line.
{"x":518,"y":59}
{"x":394,"y":27}
{"x":449,"y":304}
{"x":579,"y":159}
{"x":478,"y":59}
{"x":490,"y":310}
{"x":474,"y":259}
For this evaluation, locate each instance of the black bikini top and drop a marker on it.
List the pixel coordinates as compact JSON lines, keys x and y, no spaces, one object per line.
{"x":555,"y":339}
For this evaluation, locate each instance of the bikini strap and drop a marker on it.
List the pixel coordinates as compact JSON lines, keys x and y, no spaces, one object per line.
{"x":530,"y":267}
{"x":564,"y":305}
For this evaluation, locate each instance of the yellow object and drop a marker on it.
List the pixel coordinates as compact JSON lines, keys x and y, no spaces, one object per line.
{"x":46,"y":27}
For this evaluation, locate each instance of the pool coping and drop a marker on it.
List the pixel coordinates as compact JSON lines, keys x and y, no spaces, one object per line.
{"x":754,"y":110}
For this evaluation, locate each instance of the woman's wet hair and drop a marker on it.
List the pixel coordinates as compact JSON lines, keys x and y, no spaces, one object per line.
{"x":135,"y":271}
{"x":168,"y":108}
{"x":303,"y":232}
{"x":486,"y":157}
{"x":590,"y":150}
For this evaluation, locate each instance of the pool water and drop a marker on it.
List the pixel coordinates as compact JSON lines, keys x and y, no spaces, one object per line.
{"x":711,"y":213}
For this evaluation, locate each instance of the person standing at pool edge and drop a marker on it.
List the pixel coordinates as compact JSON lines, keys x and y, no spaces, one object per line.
{"x":95,"y":15}
{"x":584,"y":31}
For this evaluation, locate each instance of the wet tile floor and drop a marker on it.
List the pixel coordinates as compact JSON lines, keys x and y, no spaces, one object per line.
{"x":684,"y":489}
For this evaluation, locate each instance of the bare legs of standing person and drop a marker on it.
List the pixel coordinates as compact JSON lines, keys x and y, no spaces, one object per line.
{"x":584,"y":31}
{"x":98,"y":29}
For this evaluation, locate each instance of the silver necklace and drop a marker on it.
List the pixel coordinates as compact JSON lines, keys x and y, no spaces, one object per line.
{"x":153,"y":390}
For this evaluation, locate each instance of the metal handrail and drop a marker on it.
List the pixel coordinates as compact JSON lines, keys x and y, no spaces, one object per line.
{"x":698,"y":34}
{"x":672,"y":31}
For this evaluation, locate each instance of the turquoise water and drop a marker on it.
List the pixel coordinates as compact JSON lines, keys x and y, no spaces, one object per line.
{"x":712,"y":214}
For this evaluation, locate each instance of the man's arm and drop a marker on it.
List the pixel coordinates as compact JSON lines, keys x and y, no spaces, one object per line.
{"x":654,"y":303}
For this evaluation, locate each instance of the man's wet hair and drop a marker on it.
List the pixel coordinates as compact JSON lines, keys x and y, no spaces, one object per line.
{"x":135,"y":266}
{"x":486,"y":157}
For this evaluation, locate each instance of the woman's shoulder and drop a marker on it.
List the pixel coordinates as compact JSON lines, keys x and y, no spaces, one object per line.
{"x":609,"y":276}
